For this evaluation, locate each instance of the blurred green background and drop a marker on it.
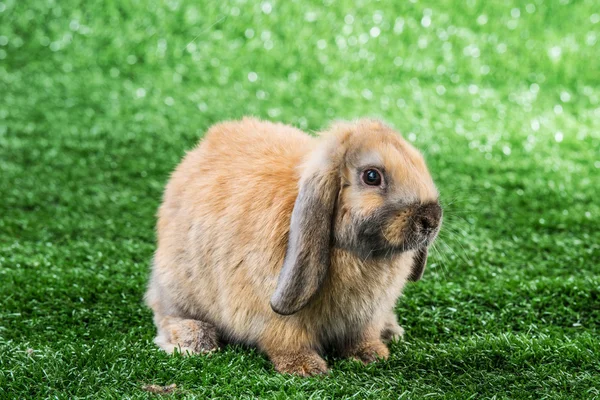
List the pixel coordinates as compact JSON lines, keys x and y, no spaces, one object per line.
{"x":100,"y":99}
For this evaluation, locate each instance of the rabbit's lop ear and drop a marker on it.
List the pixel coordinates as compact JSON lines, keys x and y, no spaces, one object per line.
{"x":308,"y":252}
{"x":419,"y":262}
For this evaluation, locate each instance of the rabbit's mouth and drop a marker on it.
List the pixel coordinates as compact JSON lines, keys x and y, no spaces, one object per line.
{"x":426,"y":224}
{"x":422,"y":226}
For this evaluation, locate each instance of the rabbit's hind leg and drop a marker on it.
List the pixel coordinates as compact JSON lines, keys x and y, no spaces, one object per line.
{"x":187,"y":335}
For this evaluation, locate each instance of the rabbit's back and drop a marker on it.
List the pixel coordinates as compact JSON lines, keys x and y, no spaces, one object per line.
{"x":223,"y":225}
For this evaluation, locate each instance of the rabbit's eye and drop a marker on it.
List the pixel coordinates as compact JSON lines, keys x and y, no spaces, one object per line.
{"x":371,"y":177}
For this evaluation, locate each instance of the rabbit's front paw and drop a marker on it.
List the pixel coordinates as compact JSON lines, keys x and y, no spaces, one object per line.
{"x":392,"y":332}
{"x":301,"y":363}
{"x":369,"y":351}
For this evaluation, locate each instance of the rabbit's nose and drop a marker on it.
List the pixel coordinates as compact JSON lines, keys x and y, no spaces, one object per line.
{"x":429,"y":216}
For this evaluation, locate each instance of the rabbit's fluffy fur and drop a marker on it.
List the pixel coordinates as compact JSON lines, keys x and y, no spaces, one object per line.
{"x":270,"y":237}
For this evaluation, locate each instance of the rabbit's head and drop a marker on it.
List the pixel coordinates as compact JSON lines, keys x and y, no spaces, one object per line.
{"x":364,"y":190}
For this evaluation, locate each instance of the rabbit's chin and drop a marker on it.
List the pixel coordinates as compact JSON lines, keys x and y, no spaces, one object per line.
{"x":369,"y":248}
{"x":391,"y":251}
{"x":374,"y":245}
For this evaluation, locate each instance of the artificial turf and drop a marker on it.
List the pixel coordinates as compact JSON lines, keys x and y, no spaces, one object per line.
{"x":100,"y":99}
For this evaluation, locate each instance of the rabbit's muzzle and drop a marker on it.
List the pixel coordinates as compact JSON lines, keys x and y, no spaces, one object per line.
{"x":413,"y":226}
{"x":390,"y":230}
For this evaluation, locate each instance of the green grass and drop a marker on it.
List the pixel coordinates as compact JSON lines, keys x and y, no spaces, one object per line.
{"x":99,"y":101}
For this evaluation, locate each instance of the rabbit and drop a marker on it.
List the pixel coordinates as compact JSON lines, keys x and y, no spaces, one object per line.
{"x":291,"y":243}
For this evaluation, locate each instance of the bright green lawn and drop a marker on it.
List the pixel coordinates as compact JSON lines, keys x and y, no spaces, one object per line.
{"x":100,"y":99}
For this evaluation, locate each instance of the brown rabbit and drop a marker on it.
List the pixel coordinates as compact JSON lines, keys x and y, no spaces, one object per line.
{"x":295,"y":244}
